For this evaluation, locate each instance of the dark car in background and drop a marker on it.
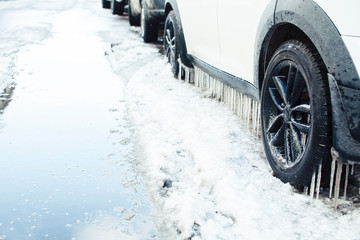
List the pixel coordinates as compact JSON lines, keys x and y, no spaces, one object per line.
{"x":148,"y":14}
{"x":117,"y":6}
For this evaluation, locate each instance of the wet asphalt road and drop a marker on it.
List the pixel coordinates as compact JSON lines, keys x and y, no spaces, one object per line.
{"x":68,"y":166}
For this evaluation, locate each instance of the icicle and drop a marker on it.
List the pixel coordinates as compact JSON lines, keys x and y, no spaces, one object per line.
{"x":255,"y":116}
{"x":231,"y":97}
{"x":189,"y":75}
{"x":213,"y":85}
{"x":213,"y":88}
{"x":180,"y":69}
{"x":337,"y":182}
{"x":312,"y":186}
{"x":246,"y":108}
{"x":352,"y":169}
{"x":306,"y":190}
{"x":346,"y":180}
{"x":225,"y":96}
{"x":318,"y":182}
{"x":222,"y":91}
{"x":241,"y":104}
{"x":238,"y":104}
{"x":196,"y":73}
{"x":232,"y":100}
{"x":333,"y":167}
{"x":258,"y":123}
{"x":248,"y":112}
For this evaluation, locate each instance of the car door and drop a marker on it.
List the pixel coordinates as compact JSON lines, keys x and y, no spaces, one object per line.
{"x":238,"y":22}
{"x":199,"y":21}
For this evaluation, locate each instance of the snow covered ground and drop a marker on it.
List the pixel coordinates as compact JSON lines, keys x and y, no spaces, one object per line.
{"x":89,"y":130}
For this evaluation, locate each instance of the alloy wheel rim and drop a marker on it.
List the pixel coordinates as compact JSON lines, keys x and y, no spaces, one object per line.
{"x":287,"y":106}
{"x":170,"y":41}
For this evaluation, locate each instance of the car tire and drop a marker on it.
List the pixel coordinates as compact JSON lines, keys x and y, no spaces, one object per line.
{"x":106,"y":4}
{"x":117,"y":7}
{"x":174,"y":43}
{"x":133,"y":20}
{"x":296,"y":114}
{"x":171,"y":43}
{"x":149,"y":28}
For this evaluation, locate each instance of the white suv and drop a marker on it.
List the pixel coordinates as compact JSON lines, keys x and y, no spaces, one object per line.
{"x":300,"y":59}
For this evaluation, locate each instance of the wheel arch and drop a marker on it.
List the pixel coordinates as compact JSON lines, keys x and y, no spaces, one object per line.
{"x":304,"y":20}
{"x":275,"y":37}
{"x":172,"y":5}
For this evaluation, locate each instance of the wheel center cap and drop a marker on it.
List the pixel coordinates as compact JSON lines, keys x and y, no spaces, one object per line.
{"x":287,"y":113}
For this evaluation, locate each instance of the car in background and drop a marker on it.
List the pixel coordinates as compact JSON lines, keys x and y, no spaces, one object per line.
{"x":299,"y":58}
{"x":148,"y":14}
{"x":117,"y":6}
{"x":106,"y":3}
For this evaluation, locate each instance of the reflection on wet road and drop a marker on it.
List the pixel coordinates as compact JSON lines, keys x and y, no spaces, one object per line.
{"x":68,"y":169}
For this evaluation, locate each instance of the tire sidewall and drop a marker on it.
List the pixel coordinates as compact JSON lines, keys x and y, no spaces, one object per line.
{"x":133,"y":21}
{"x":148,"y":27}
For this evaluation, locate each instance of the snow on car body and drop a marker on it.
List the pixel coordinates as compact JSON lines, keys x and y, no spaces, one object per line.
{"x":300,"y":59}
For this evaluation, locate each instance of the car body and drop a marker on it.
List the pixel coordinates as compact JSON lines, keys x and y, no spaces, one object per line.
{"x":147,"y":14}
{"x":256,"y":45}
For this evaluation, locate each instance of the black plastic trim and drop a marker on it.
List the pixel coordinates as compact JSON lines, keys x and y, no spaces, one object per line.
{"x":343,"y":142}
{"x":239,"y":84}
{"x":173,"y":5}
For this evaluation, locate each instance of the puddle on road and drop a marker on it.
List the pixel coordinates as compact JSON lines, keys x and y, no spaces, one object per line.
{"x":68,"y":167}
